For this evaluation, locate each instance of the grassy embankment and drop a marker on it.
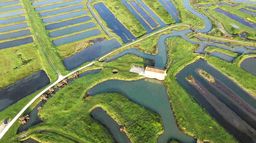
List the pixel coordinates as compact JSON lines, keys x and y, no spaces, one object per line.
{"x":124,"y":16}
{"x":160,"y":11}
{"x":41,"y":38}
{"x":196,"y":126}
{"x":244,"y":57}
{"x":68,"y":114}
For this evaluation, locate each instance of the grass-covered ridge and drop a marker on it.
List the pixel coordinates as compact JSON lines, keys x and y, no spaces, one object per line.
{"x":124,"y":16}
{"x":46,"y":48}
{"x":159,"y":10}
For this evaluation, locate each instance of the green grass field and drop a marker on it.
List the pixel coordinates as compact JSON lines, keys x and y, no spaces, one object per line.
{"x":159,"y":10}
{"x":17,"y":63}
{"x":41,"y":38}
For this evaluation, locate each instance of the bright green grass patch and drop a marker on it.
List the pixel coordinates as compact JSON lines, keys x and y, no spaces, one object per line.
{"x":124,"y":16}
{"x":189,"y":114}
{"x":52,"y":137}
{"x":159,"y":10}
{"x":17,"y":63}
{"x":124,"y":63}
{"x":47,"y":50}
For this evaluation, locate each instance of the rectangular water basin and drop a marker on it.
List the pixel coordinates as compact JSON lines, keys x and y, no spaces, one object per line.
{"x":73,"y":29}
{"x":77,"y":37}
{"x":91,"y":53}
{"x":11,"y":13}
{"x":62,"y":10}
{"x":7,"y":3}
{"x":58,"y":5}
{"x":13,"y":27}
{"x":14,"y":34}
{"x":113,"y":23}
{"x":144,"y":14}
{"x":13,"y":20}
{"x":68,"y":22}
{"x":5,"y":9}
{"x":64,"y":16}
{"x":15,"y":43}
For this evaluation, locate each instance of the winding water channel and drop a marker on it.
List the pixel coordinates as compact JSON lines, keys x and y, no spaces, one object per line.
{"x":149,"y":94}
{"x":102,"y":116}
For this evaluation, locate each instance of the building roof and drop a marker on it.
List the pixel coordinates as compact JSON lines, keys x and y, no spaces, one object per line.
{"x":151,"y":69}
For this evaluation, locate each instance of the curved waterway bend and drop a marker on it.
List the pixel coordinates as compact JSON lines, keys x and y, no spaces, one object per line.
{"x":160,"y":59}
{"x":207,"y":23}
{"x":249,"y":65}
{"x":151,"y":95}
{"x":113,"y":127}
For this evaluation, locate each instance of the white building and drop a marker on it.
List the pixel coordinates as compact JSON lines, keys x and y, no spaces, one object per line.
{"x":149,"y":72}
